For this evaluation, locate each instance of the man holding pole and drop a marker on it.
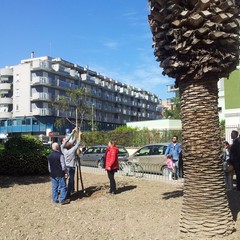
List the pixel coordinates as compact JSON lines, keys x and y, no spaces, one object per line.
{"x":69,"y":151}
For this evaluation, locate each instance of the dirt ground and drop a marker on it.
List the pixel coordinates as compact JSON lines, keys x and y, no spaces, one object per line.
{"x":142,"y":209}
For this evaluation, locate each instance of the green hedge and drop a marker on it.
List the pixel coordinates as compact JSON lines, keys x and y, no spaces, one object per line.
{"x":129,"y":137}
{"x":23,"y":155}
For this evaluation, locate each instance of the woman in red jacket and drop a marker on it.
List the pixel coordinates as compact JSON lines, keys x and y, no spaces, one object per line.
{"x":111,"y":164}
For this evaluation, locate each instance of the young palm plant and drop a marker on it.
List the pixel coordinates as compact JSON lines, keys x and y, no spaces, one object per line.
{"x":196,"y":43}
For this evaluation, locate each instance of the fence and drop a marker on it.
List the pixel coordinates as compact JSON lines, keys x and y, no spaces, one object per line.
{"x":145,"y":175}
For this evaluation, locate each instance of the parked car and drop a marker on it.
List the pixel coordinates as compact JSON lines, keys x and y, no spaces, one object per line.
{"x":151,"y":158}
{"x":92,"y":156}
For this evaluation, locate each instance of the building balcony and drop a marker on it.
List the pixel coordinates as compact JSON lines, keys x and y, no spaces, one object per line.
{"x":42,"y":96}
{"x":5,"y":114}
{"x":65,"y":85}
{"x":6,"y":72}
{"x":64,"y":114}
{"x":5,"y":86}
{"x":42,"y":112}
{"x":41,"y":80}
{"x":40,"y":64}
{"x":171,"y":88}
{"x":6,"y":100}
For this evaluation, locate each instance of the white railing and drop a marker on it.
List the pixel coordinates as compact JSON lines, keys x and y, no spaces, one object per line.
{"x":145,"y":175}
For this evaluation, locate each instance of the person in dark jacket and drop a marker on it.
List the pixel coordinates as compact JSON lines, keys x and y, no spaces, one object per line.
{"x":111,"y":164}
{"x":235,"y":156}
{"x":58,"y":173}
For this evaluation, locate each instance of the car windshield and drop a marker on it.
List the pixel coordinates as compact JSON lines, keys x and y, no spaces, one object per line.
{"x":93,"y":150}
{"x":158,"y":149}
{"x":102,"y":149}
{"x":122,"y":150}
{"x":144,"y":151}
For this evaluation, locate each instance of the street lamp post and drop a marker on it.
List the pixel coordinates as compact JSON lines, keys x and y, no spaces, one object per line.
{"x":92,"y":118}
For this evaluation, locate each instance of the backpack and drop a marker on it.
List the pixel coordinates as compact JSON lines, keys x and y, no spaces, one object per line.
{"x":103,"y":161}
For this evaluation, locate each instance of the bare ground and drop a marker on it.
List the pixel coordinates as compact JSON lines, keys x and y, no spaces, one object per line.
{"x":142,"y":209}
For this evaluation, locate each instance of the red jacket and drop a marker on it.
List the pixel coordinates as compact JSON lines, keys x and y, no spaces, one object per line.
{"x":111,"y":158}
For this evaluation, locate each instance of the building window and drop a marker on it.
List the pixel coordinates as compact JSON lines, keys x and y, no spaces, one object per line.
{"x":9,"y":122}
{"x":17,"y":107}
{"x":35,"y":122}
{"x":17,"y":78}
{"x":28,"y":121}
{"x":2,"y":123}
{"x":17,"y":93}
{"x":169,"y":101}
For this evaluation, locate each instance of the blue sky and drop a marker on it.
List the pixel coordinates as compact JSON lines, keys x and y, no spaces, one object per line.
{"x":110,"y":36}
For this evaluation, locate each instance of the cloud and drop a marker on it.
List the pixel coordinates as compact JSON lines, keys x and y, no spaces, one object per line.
{"x":129,"y":14}
{"x":135,"y":19}
{"x":145,"y":76}
{"x":111,"y":44}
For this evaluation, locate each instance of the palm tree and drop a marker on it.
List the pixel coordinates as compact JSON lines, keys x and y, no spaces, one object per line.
{"x":196,"y":43}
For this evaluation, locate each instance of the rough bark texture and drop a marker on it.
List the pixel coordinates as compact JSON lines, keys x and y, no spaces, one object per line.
{"x":205,"y":211}
{"x":197,"y":42}
{"x":196,"y":39}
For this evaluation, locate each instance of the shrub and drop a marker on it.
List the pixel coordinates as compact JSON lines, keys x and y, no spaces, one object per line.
{"x":23,"y":155}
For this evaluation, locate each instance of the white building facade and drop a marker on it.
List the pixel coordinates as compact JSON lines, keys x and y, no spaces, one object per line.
{"x":27,"y":90}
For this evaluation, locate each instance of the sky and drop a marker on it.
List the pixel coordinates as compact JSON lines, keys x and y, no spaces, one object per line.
{"x":111,"y":37}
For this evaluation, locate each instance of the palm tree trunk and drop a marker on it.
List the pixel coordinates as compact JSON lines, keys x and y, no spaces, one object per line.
{"x":205,"y":209}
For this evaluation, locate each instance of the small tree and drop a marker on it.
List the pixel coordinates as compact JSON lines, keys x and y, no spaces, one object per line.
{"x":72,"y":107}
{"x":175,"y":112}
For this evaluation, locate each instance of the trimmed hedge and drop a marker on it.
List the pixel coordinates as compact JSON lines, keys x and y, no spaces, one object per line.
{"x":23,"y":155}
{"x":130,"y":137}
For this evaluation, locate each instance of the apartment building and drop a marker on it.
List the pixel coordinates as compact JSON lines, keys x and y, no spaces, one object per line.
{"x":27,"y":89}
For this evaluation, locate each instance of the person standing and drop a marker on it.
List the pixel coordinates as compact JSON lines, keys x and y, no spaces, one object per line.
{"x":111,"y":164}
{"x":174,"y":149}
{"x":69,"y":151}
{"x":170,"y":166}
{"x":235,"y":156}
{"x":58,"y":173}
{"x":228,"y":173}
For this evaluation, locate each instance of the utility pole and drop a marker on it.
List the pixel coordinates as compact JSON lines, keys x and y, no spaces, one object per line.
{"x":92,"y":117}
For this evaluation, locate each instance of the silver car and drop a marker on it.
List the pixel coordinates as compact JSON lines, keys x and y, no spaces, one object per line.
{"x":93,"y":155}
{"x":151,"y":158}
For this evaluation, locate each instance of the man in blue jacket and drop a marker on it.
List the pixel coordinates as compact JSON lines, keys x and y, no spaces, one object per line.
{"x":174,"y":149}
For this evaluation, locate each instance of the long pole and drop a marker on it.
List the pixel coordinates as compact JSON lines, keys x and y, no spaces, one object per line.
{"x":92,"y":118}
{"x":78,"y":160}
{"x":76,"y":154}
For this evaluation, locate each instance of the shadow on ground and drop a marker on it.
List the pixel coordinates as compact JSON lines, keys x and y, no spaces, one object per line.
{"x":234,"y":203}
{"x":89,"y":191}
{"x":9,"y":181}
{"x":174,"y":194}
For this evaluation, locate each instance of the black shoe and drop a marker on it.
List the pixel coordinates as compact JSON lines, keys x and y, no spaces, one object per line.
{"x":66,"y":201}
{"x":112,"y":193}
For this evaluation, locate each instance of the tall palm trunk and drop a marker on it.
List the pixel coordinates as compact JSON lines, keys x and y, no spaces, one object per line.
{"x":205,"y":209}
{"x":197,"y":43}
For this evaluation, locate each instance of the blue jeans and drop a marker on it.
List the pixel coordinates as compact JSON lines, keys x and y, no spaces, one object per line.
{"x":71,"y":174}
{"x":58,"y":184}
{"x":176,"y":168}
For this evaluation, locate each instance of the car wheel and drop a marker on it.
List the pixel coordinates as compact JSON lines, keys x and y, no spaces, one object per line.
{"x":164,"y":171}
